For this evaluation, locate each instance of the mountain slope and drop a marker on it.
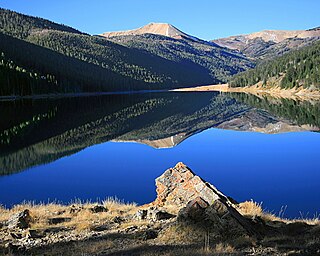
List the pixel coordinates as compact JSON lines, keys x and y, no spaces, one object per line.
{"x":269,"y":43}
{"x":294,"y":69}
{"x":21,"y":26}
{"x":117,"y":67}
{"x":27,"y":69}
{"x":219,"y":62}
{"x":122,"y":63}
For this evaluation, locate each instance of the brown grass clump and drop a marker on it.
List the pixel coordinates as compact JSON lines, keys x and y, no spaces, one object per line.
{"x":119,"y":207}
{"x":86,"y":219}
{"x":180,"y":233}
{"x":254,"y":209}
{"x":250,"y":208}
{"x":222,"y":248}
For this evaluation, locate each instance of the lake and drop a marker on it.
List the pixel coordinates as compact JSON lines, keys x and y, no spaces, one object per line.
{"x":90,"y":148}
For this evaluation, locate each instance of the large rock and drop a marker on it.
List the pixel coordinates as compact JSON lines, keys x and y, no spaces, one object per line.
{"x":198,"y":200}
{"x":179,"y":185}
{"x":20,"y":220}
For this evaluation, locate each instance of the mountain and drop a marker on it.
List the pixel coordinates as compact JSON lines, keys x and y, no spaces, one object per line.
{"x":269,"y":43}
{"x":41,"y":131}
{"x":76,"y":62}
{"x":168,"y":42}
{"x":21,"y":26}
{"x":59,"y":59}
{"x":299,"y":68}
{"x":163,"y":29}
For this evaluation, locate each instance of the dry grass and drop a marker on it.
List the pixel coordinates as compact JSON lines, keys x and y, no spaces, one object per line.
{"x":179,"y":233}
{"x":254,"y":209}
{"x":250,"y":208}
{"x":120,"y":207}
{"x":223,"y":248}
{"x":134,"y":223}
{"x":83,"y":220}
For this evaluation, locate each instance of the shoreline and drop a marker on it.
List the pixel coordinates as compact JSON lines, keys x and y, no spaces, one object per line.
{"x":180,"y":221}
{"x":72,"y":95}
{"x":258,"y":90}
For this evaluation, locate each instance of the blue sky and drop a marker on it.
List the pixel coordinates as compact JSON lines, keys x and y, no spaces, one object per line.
{"x":207,"y":19}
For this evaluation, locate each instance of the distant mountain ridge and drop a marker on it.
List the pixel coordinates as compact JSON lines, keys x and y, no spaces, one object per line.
{"x":269,"y":43}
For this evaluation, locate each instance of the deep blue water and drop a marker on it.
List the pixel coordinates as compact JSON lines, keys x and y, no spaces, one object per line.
{"x":278,"y":170}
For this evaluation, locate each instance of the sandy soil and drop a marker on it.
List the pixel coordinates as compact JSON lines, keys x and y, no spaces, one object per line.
{"x":258,"y":90}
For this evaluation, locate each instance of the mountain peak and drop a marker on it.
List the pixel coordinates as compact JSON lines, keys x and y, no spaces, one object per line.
{"x":164,"y":29}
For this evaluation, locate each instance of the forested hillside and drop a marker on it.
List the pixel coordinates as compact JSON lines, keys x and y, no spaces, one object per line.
{"x":296,"y":68}
{"x":32,"y":69}
{"x":46,"y":57}
{"x":21,"y":26}
{"x":219,"y":62}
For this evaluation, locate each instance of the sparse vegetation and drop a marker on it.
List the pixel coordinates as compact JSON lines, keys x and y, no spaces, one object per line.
{"x":90,"y":233}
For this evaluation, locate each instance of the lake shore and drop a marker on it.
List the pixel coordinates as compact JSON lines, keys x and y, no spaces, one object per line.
{"x":72,"y":95}
{"x":171,"y":225}
{"x":259,"y":90}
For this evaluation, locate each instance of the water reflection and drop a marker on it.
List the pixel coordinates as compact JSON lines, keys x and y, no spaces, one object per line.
{"x":34,"y":132}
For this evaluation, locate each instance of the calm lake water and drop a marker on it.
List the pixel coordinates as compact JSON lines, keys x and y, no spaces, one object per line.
{"x":91,"y":148}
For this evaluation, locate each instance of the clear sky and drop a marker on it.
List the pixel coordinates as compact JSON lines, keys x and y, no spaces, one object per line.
{"x":207,"y":19}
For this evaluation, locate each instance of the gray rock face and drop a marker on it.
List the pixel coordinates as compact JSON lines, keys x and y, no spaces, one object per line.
{"x":20,"y":220}
{"x":195,"y":209}
{"x":179,"y":185}
{"x":99,"y":208}
{"x":198,"y":200}
{"x":141,"y":214}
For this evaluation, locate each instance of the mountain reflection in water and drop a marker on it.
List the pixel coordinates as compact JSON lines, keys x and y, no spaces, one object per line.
{"x":35,"y":132}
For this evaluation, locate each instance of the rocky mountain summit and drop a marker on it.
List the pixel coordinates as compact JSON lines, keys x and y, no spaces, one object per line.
{"x":189,"y":217}
{"x":163,"y":29}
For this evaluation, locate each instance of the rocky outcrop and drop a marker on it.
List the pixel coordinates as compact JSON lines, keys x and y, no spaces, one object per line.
{"x":198,"y":200}
{"x":20,"y":220}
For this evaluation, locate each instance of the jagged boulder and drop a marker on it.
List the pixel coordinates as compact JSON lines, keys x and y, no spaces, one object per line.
{"x":179,"y":185}
{"x":198,"y":200}
{"x":20,"y":220}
